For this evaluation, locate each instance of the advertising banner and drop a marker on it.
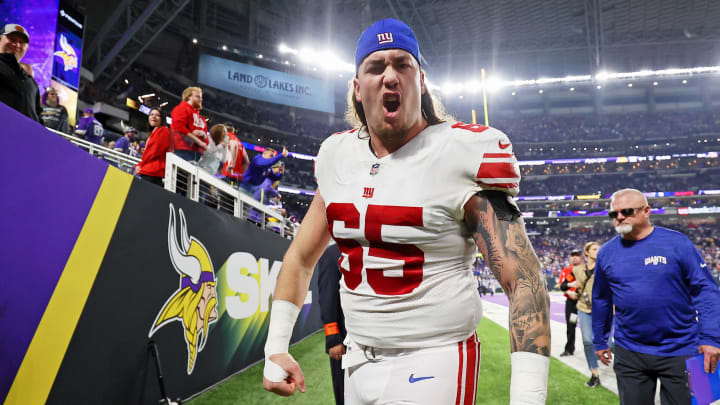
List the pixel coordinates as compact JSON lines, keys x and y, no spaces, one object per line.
{"x":39,"y":18}
{"x":266,"y":85}
{"x":120,"y":264}
{"x":68,"y":46}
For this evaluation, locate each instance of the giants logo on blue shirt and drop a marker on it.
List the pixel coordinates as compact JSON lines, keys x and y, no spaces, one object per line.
{"x":655,"y":260}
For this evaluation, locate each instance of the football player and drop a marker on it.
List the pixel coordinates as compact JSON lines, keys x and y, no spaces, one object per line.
{"x":409,"y":198}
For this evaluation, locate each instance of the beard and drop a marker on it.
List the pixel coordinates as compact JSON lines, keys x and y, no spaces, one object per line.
{"x":624,"y":229}
{"x":197,"y":106}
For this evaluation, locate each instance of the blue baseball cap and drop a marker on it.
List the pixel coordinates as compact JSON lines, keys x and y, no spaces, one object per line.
{"x":386,"y":34}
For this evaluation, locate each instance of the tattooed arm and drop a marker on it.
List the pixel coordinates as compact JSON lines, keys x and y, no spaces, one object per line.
{"x":511,"y":258}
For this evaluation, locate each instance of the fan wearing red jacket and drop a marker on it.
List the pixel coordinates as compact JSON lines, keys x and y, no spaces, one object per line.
{"x":188,"y":127}
{"x":152,"y":166}
{"x":566,"y":276}
{"x":238,"y":160}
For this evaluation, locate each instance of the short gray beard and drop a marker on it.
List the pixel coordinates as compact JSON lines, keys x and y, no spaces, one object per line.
{"x":624,"y":229}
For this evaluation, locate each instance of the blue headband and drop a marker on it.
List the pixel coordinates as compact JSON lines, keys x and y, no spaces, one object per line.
{"x":386,"y":34}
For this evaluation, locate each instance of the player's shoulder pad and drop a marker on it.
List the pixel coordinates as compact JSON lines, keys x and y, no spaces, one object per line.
{"x":335,"y":139}
{"x":347,"y":131}
{"x":475,"y":134}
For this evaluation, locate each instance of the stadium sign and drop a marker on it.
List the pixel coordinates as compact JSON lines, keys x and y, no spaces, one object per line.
{"x":266,"y":84}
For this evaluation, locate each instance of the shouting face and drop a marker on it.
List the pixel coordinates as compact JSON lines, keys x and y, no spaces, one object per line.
{"x":389,"y":85}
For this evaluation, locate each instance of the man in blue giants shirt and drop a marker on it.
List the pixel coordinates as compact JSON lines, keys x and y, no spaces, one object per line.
{"x":667,"y":306}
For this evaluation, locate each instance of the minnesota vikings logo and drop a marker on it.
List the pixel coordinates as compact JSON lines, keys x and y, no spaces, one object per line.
{"x":194,"y":303}
{"x":68,"y":55}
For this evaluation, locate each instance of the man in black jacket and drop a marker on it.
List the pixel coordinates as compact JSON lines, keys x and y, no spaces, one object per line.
{"x":332,"y":316}
{"x":17,"y":88}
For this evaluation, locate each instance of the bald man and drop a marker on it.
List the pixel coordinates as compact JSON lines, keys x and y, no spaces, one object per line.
{"x":667,"y":305}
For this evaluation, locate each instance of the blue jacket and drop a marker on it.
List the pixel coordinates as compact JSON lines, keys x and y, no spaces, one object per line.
{"x":666,"y":301}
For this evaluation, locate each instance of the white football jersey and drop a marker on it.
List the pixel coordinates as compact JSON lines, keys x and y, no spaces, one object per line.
{"x":406,"y":256}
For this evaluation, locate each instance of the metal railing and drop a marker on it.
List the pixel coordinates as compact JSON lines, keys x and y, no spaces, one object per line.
{"x":121,"y":160}
{"x":198,"y":185}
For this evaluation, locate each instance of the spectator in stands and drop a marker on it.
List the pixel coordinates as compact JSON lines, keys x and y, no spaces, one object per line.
{"x":90,"y":129}
{"x":258,"y":169}
{"x":123,"y":144}
{"x":54,"y":115}
{"x":188,"y":129}
{"x":17,"y":88}
{"x":237,"y":161}
{"x":216,"y":150}
{"x":152,"y":166}
{"x":571,"y":315}
{"x":267,"y":191}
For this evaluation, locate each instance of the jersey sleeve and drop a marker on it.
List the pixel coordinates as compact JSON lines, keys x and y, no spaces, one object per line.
{"x":485,"y":158}
{"x":488,"y":158}
{"x":498,"y":168}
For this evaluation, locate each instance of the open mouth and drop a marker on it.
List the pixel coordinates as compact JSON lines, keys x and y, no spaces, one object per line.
{"x":391,"y":102}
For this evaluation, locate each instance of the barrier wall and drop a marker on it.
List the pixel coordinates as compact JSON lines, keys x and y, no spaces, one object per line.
{"x":95,"y":264}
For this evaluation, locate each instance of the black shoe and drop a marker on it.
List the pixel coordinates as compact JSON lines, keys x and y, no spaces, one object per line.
{"x":565,"y":353}
{"x":594,"y":382}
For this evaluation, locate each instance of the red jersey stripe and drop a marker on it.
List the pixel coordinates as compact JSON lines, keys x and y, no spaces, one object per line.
{"x":497,"y":171}
{"x":470,"y":376}
{"x":497,"y":155}
{"x":458,"y":397}
{"x":498,"y":185}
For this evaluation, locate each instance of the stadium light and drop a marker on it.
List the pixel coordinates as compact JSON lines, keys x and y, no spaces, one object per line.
{"x":260,"y":56}
{"x":572,"y":88}
{"x":194,"y":41}
{"x":282,"y":48}
{"x":655,"y":83}
{"x":629,"y":84}
{"x":684,"y":81}
{"x":224,"y":47}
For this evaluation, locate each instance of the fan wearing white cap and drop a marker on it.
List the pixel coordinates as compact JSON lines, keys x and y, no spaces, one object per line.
{"x":410,"y":196}
{"x":17,"y":89}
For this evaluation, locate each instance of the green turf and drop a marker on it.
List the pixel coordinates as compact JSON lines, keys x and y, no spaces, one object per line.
{"x":565,"y":385}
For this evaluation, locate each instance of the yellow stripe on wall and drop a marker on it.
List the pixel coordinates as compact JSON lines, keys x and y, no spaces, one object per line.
{"x":42,"y":360}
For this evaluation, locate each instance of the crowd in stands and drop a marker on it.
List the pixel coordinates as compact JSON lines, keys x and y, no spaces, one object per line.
{"x":606,"y":184}
{"x":277,"y":127}
{"x":553,"y":245}
{"x":635,"y":126}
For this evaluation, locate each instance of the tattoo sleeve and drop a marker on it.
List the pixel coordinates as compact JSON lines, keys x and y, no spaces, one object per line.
{"x":511,"y":258}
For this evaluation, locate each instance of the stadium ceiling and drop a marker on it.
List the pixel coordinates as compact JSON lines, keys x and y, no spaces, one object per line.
{"x":514,"y":38}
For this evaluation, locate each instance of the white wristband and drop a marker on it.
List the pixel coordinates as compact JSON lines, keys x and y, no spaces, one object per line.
{"x":528,"y":381}
{"x":273,"y":372}
{"x":282,"y":320}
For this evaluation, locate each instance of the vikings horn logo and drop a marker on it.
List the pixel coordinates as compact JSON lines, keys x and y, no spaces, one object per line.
{"x":68,"y":55}
{"x":194,"y":303}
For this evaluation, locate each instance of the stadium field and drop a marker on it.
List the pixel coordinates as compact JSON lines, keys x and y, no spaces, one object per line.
{"x":565,"y":385}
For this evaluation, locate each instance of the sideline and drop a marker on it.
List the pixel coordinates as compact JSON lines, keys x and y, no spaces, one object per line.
{"x":495,"y":308}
